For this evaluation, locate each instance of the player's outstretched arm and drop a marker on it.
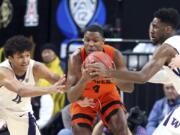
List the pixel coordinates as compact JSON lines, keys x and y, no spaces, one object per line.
{"x":33,"y":91}
{"x":161,"y":56}
{"x":8,"y":80}
{"x":41,"y":71}
{"x":120,"y":65}
{"x":175,"y":62}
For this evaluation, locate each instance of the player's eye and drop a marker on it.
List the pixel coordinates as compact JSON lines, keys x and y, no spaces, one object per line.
{"x":86,"y":40}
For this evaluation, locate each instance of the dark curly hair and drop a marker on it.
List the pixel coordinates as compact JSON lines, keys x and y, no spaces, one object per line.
{"x":16,"y":44}
{"x":169,"y":16}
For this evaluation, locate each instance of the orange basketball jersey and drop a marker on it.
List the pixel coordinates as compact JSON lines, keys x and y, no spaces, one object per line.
{"x":97,"y":88}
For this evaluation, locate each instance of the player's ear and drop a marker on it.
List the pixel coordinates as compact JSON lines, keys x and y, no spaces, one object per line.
{"x":103,"y":39}
{"x":10,"y":58}
{"x":169,"y":29}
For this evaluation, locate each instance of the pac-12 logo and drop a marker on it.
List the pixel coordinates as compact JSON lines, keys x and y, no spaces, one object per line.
{"x":75,"y":15}
{"x":82,"y":11}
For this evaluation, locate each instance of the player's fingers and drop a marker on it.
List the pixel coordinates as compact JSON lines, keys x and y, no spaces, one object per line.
{"x":90,"y":99}
{"x":89,"y":70}
{"x":62,"y":80}
{"x":93,"y":105}
{"x":94,"y":74}
{"x":108,"y":78}
{"x":62,"y":88}
{"x":95,"y":65}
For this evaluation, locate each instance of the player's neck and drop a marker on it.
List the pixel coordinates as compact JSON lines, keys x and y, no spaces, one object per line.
{"x":17,"y":71}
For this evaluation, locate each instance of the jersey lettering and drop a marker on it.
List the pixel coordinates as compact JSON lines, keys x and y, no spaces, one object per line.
{"x":17,"y":99}
{"x":102,"y":81}
{"x":168,"y":118}
{"x":96,"y":88}
{"x":175,"y":123}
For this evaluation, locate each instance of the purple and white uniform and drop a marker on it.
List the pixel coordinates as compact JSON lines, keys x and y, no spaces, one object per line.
{"x":171,"y":123}
{"x":17,"y":111}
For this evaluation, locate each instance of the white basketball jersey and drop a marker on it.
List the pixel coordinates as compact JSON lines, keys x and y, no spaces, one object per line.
{"x":10,"y":100}
{"x":174,"y":75}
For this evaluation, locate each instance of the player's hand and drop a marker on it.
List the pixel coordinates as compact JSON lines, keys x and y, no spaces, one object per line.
{"x":86,"y":102}
{"x":59,"y":86}
{"x":86,"y":73}
{"x":99,"y":70}
{"x":175,"y":62}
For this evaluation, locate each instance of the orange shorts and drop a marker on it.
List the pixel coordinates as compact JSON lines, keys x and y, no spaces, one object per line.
{"x":106,"y":106}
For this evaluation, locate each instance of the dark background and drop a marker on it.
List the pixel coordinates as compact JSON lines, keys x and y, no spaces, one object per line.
{"x":125,"y":18}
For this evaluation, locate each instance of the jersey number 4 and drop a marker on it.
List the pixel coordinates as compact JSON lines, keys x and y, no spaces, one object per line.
{"x":17,"y":99}
{"x":96,"y":88}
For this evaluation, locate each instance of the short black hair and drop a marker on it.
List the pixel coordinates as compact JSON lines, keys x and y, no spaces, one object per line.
{"x":169,"y":16}
{"x":18,"y":43}
{"x":95,"y":28}
{"x":50,"y":46}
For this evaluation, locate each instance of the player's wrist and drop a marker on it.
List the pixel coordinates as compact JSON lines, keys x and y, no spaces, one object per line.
{"x":84,"y":80}
{"x":49,"y":90}
{"x":109,"y":72}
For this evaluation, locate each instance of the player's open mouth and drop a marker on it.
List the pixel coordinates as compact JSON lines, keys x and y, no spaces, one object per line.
{"x":92,"y":50}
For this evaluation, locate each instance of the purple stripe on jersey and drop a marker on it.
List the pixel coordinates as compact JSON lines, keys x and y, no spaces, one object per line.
{"x":32,"y":125}
{"x":167,"y":120}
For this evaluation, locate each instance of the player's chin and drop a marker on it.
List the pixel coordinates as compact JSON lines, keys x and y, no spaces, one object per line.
{"x":23,"y":68}
{"x":91,"y":51}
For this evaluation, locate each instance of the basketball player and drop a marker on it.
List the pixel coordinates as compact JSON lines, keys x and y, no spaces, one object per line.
{"x":164,"y":24}
{"x":104,"y":93}
{"x":18,"y":74}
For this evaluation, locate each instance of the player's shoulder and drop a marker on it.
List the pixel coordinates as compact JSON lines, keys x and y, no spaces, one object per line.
{"x":174,"y":37}
{"x":75,"y":56}
{"x":161,"y":101}
{"x":76,"y":53}
{"x":166,"y":49}
{"x":112,"y":51}
{"x":117,"y":53}
{"x":38,"y":66}
{"x":109,"y":47}
{"x":6,"y":73}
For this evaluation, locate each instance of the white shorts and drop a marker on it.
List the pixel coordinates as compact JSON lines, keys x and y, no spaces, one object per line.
{"x":20,"y":123}
{"x":170,"y":125}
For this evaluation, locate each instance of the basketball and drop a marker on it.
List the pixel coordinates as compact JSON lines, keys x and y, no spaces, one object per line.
{"x":101,"y":57}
